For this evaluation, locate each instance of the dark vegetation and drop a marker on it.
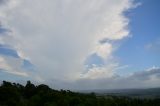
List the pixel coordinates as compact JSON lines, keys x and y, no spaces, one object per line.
{"x":13,"y":94}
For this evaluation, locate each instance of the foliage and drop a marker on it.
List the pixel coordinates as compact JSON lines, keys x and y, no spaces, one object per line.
{"x":12,"y":94}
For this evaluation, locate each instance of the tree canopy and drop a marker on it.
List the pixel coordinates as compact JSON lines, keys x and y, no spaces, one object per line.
{"x":14,"y":94}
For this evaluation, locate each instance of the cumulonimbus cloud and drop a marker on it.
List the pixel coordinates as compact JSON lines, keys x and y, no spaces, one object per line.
{"x":57,"y":36}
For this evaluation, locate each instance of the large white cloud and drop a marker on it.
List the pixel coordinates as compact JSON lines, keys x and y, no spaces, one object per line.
{"x":58,"y":35}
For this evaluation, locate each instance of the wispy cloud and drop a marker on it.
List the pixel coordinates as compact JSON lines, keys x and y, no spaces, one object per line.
{"x":12,"y":65}
{"x":154,"y":46}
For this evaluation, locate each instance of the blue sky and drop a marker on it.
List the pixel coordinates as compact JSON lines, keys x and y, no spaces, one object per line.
{"x":144,"y":26}
{"x":81,"y":44}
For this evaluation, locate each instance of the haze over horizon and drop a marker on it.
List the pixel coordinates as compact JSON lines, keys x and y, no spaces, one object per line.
{"x":81,"y":44}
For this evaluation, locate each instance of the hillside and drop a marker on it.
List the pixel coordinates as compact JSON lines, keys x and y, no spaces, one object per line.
{"x":14,"y":94}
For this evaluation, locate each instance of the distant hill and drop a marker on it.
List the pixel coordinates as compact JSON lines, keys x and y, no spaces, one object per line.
{"x":150,"y":93}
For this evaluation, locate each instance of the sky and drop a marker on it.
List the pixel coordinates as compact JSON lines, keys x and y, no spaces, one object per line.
{"x":81,"y":44}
